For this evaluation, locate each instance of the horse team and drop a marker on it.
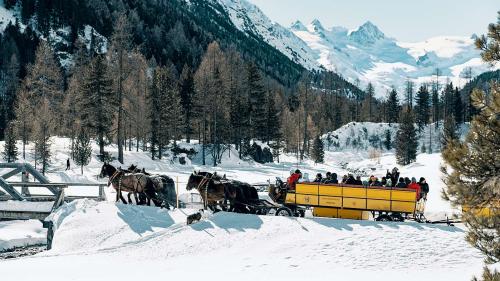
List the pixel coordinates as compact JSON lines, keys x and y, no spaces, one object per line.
{"x":218,"y":193}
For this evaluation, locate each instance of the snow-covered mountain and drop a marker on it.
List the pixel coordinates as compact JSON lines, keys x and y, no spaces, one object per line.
{"x":365,"y":54}
{"x":250,"y":19}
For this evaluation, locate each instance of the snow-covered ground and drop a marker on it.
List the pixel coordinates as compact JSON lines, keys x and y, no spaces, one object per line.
{"x":17,"y":234}
{"x":98,"y":241}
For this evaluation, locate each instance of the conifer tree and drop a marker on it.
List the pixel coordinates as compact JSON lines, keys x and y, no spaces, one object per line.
{"x":257,"y":98}
{"x":393,"y":107}
{"x":406,"y":139}
{"x":318,"y":151}
{"x":43,"y":126}
{"x":82,"y":149}
{"x":273,"y":126}
{"x":422,"y":107}
{"x":388,"y":140}
{"x":475,"y":176}
{"x":187,"y":100}
{"x":449,"y":130}
{"x":10,"y":152}
{"x":97,"y":102}
{"x":458,"y":106}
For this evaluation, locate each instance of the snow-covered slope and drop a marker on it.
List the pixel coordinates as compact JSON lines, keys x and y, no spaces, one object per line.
{"x":99,"y":241}
{"x":366,"y":53}
{"x":6,"y":17}
{"x":366,"y":136}
{"x":250,"y":19}
{"x":369,"y":55}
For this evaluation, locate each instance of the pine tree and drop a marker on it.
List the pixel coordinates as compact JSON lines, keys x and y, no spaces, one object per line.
{"x":83,"y":150}
{"x":257,"y":98}
{"x":10,"y":149}
{"x":273,"y":126}
{"x":24,"y":116}
{"x":449,"y":130}
{"x":43,"y":126}
{"x":187,"y":100}
{"x":318,"y":151}
{"x":388,"y":140}
{"x":393,"y":107}
{"x":97,"y":101}
{"x":406,"y":139}
{"x":458,"y":107}
{"x":422,"y":107}
{"x":475,"y":175}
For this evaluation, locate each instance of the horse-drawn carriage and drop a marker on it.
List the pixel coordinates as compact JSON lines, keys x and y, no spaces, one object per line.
{"x":352,"y":201}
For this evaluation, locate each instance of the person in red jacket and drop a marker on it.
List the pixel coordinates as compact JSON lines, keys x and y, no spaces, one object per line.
{"x":293,"y":179}
{"x":416,"y":186}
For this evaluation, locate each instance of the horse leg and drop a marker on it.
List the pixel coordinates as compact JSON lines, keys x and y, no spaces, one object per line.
{"x":129,"y":199}
{"x":123,"y":198}
{"x":136,"y":199}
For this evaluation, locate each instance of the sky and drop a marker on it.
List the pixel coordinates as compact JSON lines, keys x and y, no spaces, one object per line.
{"x":405,"y":20}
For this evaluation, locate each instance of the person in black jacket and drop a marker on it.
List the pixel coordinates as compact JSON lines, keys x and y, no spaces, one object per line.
{"x":401,"y":183}
{"x":424,"y":188}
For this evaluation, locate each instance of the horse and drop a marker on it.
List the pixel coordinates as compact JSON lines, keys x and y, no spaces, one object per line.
{"x":210,"y":192}
{"x":215,"y":189}
{"x":131,"y":183}
{"x":163,"y":185}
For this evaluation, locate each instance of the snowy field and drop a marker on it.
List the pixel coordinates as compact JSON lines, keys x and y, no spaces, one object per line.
{"x":99,"y":241}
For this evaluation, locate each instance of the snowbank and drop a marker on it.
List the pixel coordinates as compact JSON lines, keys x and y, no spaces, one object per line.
{"x":93,"y":240}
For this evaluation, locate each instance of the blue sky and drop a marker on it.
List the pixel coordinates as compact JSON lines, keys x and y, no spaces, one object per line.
{"x":404,"y":20}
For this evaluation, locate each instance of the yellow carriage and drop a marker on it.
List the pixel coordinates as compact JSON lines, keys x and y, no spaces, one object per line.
{"x":355,"y":202}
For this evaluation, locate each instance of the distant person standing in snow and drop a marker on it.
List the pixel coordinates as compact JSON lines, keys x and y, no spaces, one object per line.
{"x":424,"y":188}
{"x":68,"y":165}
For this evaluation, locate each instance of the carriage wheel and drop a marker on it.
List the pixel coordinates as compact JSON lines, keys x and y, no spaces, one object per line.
{"x":383,"y":218}
{"x":284,"y":212}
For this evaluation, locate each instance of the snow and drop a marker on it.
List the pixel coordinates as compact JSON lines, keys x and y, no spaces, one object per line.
{"x":248,"y":247}
{"x":6,"y":17}
{"x":21,"y":233}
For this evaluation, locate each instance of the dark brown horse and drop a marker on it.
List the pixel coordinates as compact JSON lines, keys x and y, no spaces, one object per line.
{"x":132,"y":183}
{"x":217,"y":191}
{"x":163,"y":187}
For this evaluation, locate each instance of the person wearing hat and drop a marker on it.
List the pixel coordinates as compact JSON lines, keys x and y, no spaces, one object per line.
{"x":293,"y":179}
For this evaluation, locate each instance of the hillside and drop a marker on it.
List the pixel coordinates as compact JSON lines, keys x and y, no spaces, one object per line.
{"x":366,"y":53}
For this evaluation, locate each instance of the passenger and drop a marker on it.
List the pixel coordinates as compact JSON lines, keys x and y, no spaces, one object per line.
{"x":350,"y":179}
{"x":334,"y":179}
{"x":401,"y":183}
{"x":326,"y":179}
{"x":344,"y":178}
{"x":293,"y":179}
{"x":424,"y":188}
{"x":383,"y":181}
{"x":407,"y":181}
{"x":358,"y":181}
{"x":395,"y":175}
{"x":371,"y":180}
{"x":389,"y":183}
{"x":319,"y":178}
{"x":414,"y":185}
{"x":365,"y":184}
{"x":376,"y":182}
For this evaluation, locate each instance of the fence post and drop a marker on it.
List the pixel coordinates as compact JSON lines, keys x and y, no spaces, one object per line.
{"x":177,"y":192}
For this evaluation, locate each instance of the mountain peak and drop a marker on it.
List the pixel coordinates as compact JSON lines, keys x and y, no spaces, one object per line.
{"x":367,"y":33}
{"x":316,"y":24}
{"x":298,"y":26}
